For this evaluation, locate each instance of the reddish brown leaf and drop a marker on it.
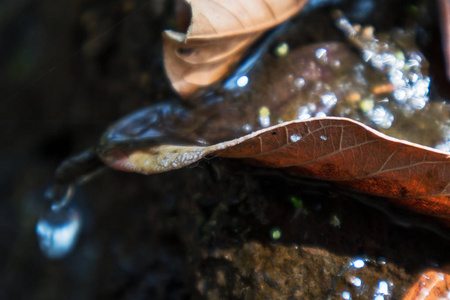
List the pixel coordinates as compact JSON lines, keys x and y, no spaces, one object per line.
{"x":339,"y":150}
{"x":432,"y":285}
{"x":219,"y":34}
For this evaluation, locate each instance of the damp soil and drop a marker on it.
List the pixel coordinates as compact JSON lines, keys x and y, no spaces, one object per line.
{"x":217,"y":230}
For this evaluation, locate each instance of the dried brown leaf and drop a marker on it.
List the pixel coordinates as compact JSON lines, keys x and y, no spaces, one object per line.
{"x":219,"y":34}
{"x":343,"y":151}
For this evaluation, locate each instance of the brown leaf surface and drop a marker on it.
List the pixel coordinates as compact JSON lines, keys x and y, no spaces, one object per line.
{"x":432,"y":285}
{"x":219,"y":34}
{"x":339,"y":150}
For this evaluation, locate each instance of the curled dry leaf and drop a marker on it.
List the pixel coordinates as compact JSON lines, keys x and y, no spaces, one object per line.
{"x":432,"y":285}
{"x":339,"y":150}
{"x":219,"y":34}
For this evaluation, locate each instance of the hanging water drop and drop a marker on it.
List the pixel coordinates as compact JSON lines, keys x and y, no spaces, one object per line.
{"x":58,"y":231}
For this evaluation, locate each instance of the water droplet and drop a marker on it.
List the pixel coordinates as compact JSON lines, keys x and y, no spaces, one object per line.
{"x":379,"y":297}
{"x":416,"y":103}
{"x":388,"y":59}
{"x":295,"y":138}
{"x":367,"y":55}
{"x":440,"y":276}
{"x":383,"y":288}
{"x":421,"y":87}
{"x":323,"y":137}
{"x":413,"y":77}
{"x":58,"y":231}
{"x":247,"y":128}
{"x":376,"y":61}
{"x":416,"y":56}
{"x":398,"y":64}
{"x":381,"y":260}
{"x":299,"y":82}
{"x":356,"y":281}
{"x":335,"y":64}
{"x":412,"y":63}
{"x":311,"y":107}
{"x":303,"y":113}
{"x":381,"y":117}
{"x":321,"y":54}
{"x":321,"y":114}
{"x":329,"y":100}
{"x":242,"y":81}
{"x":346,"y":295}
{"x":358,"y":263}
{"x":264,"y":121}
{"x":424,"y":292}
{"x":443,"y":146}
{"x":396,"y":78}
{"x":400,"y":95}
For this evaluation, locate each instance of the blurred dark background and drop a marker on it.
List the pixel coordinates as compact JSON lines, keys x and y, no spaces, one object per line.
{"x":67,"y":70}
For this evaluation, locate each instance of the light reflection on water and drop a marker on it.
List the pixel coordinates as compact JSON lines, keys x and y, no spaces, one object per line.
{"x":58,"y":231}
{"x":264,"y":117}
{"x":357,"y":281}
{"x":384,"y":86}
{"x":346,"y":295}
{"x":381,"y":116}
{"x":329,"y":100}
{"x":242,"y":81}
{"x":364,"y":277}
{"x":295,"y":138}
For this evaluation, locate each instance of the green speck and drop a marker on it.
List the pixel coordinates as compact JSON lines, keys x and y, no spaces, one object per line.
{"x":281,"y":50}
{"x":264,"y":111}
{"x":366,"y":105}
{"x":275,"y":233}
{"x":335,"y":221}
{"x":296,"y":202}
{"x":399,"y":55}
{"x":413,"y":10}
